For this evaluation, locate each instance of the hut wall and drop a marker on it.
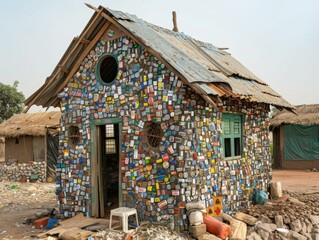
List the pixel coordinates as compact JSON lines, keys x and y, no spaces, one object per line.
{"x":189,"y":163}
{"x":39,"y":149}
{"x":20,"y":148}
{"x":2,"y":149}
{"x":277,"y":147}
{"x":294,"y":164}
{"x":22,"y":172}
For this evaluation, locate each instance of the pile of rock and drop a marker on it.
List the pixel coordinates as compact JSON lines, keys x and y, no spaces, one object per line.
{"x":291,"y":216}
{"x":294,"y":216}
{"x":23,"y":171}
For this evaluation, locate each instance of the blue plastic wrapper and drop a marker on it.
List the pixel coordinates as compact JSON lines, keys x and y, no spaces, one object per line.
{"x":51,"y":223}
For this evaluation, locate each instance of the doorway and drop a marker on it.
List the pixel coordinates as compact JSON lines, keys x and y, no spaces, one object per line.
{"x":105,"y":166}
{"x":109,"y":145}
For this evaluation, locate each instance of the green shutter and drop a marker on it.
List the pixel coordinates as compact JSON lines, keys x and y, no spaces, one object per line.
{"x":232,"y":135}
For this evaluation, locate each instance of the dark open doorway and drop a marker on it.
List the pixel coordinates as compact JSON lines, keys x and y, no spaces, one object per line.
{"x":110,"y":166}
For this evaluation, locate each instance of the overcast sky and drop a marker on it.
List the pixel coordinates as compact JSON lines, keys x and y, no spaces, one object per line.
{"x":278,"y":40}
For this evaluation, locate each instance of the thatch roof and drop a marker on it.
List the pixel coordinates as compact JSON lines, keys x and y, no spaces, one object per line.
{"x":305,"y":114}
{"x":32,"y":124}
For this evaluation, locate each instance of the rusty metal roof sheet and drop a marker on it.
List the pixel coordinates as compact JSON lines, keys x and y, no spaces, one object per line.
{"x":206,"y":68}
{"x":201,"y":62}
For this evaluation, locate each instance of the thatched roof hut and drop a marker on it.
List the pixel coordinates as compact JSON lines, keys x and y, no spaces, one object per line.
{"x":305,"y":115}
{"x":32,"y":124}
{"x":295,"y":138}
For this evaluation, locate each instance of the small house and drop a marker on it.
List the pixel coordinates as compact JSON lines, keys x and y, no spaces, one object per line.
{"x":296,"y":138}
{"x":31,"y":137}
{"x":154,"y":119}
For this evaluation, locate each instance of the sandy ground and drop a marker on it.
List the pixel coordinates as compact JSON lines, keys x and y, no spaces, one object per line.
{"x":19,"y":201}
{"x":297,"y":181}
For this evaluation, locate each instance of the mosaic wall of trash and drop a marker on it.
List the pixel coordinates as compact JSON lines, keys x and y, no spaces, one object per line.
{"x":186,"y":163}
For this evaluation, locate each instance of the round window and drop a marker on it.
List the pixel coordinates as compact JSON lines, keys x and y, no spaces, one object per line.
{"x":107,"y":68}
{"x":154,"y":134}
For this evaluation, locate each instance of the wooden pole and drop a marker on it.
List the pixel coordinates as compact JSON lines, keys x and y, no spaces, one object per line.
{"x":175,"y":28}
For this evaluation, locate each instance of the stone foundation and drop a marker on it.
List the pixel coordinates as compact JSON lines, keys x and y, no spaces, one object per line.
{"x":23,"y":171}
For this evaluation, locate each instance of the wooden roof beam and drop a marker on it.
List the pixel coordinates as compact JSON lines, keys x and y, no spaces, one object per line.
{"x":82,"y":40}
{"x":63,"y":69}
{"x":82,"y":56}
{"x":63,"y":63}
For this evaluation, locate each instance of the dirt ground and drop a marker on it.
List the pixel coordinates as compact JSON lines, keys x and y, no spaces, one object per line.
{"x":19,"y":201}
{"x":297,"y":181}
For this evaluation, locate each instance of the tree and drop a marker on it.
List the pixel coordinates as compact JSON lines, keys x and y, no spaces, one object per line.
{"x":11,"y":101}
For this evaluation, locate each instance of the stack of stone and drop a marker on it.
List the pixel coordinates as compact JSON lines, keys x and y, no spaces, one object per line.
{"x":23,"y":171}
{"x":291,"y":217}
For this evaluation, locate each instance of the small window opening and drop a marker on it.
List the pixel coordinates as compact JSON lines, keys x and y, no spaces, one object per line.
{"x":109,"y":131}
{"x":232,"y":134}
{"x":110,"y":146}
{"x":74,"y":135}
{"x":110,"y":141}
{"x":107,"y":69}
{"x":237,"y":146}
{"x":227,"y":147}
{"x":154,"y":134}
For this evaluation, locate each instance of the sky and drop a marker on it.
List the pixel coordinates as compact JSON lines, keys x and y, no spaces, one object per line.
{"x":277,"y":40}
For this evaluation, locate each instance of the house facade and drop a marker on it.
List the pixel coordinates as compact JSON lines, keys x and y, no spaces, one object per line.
{"x":29,"y":146}
{"x":153,"y":119}
{"x":24,"y":136}
{"x":296,"y":138}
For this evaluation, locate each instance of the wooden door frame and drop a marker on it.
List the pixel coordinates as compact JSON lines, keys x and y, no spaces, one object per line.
{"x":96,"y":165}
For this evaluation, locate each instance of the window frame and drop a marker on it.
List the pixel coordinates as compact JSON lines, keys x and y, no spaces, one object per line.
{"x":231,"y":135}
{"x":98,"y":66}
{"x":115,"y":138}
{"x":147,"y":135}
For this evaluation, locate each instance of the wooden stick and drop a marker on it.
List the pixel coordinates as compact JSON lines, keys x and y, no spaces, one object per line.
{"x":175,"y":28}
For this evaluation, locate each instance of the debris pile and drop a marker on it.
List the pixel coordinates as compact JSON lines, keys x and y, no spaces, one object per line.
{"x":294,"y":216}
{"x":157,"y":231}
{"x":23,"y":172}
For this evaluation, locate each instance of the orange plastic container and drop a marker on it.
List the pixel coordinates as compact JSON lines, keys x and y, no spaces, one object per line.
{"x":42,"y":222}
{"x":216,"y":227}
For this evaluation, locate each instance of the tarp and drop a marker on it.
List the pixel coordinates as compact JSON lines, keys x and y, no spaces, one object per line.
{"x":301,"y":142}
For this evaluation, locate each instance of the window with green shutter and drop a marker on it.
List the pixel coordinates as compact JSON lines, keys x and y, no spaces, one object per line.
{"x":232,"y":135}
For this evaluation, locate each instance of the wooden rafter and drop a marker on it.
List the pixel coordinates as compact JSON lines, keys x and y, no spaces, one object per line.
{"x":64,"y":62}
{"x":83,"y":40}
{"x":63,"y":69}
{"x":82,"y":56}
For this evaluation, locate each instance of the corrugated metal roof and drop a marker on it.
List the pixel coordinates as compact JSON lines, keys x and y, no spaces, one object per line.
{"x":200,"y":63}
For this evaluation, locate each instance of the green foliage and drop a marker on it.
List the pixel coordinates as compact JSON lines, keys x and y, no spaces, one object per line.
{"x":11,"y":101}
